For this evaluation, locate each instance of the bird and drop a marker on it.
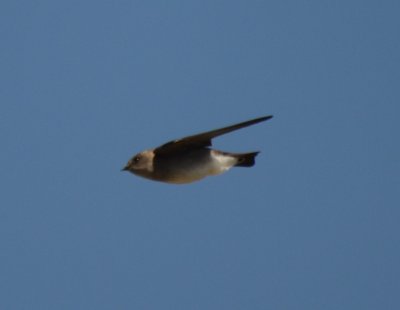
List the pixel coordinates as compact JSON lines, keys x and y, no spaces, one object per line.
{"x":191,"y":158}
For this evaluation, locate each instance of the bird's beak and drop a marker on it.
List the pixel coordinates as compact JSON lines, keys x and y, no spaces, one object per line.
{"x":125,"y":168}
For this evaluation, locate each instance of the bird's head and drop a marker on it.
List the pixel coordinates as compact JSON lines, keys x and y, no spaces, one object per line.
{"x":141,"y":163}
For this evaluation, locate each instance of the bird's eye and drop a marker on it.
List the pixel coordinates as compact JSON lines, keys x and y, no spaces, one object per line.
{"x":136,"y":159}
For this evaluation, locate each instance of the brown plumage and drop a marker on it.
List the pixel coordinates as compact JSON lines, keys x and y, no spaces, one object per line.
{"x":190,"y":159}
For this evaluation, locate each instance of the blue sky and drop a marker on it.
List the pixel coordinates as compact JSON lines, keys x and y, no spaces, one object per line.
{"x":86,"y":84}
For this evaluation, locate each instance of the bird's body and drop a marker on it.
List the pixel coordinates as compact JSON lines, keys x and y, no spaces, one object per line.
{"x":193,"y":165}
{"x":190,"y":159}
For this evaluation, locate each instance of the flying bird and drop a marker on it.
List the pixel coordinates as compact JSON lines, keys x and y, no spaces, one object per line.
{"x":190,"y":158}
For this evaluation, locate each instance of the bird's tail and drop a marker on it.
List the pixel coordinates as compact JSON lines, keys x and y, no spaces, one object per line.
{"x":246,"y":159}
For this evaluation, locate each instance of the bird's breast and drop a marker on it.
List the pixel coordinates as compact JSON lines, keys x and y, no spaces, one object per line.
{"x":192,"y":166}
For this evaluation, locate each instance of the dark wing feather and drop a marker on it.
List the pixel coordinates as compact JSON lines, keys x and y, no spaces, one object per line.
{"x":203,"y":139}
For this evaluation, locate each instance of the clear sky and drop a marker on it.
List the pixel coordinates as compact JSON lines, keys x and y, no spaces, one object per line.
{"x":86,"y":84}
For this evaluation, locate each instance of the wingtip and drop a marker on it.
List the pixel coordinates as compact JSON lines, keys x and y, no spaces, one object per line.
{"x":267,"y":117}
{"x":261,"y":119}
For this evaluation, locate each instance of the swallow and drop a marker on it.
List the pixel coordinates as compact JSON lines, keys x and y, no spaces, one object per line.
{"x":190,"y":158}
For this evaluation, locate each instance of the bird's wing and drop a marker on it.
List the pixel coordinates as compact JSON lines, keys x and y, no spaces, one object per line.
{"x":203,"y":139}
